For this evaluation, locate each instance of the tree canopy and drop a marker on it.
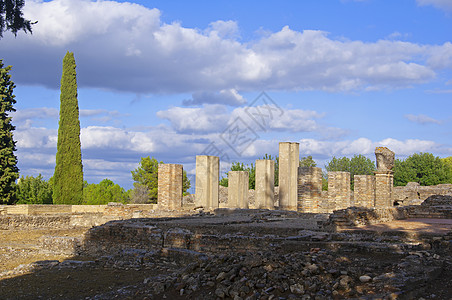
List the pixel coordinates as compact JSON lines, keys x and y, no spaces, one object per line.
{"x":423,"y":168}
{"x":11,"y":17}
{"x":9,"y":171}
{"x":34,"y":190}
{"x":357,"y":165}
{"x":103,"y":193}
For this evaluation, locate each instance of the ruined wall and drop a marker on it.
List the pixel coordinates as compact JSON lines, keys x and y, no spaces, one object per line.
{"x":414,"y":193}
{"x":364,"y":193}
{"x":338,"y":190}
{"x":309,"y":189}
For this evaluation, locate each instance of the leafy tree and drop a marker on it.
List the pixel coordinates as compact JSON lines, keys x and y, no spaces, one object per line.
{"x":8,"y":161}
{"x":103,"y":193}
{"x":357,"y":165}
{"x":34,"y":190}
{"x":424,"y":168}
{"x":11,"y":17}
{"x":68,"y":176}
{"x":307,"y":161}
{"x":448,"y":162}
{"x":147,"y":175}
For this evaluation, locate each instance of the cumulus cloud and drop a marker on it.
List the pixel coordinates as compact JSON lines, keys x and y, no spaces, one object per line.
{"x":23,"y":115}
{"x":227,"y":97}
{"x":158,"y":57}
{"x":365,"y":146}
{"x":441,"y":4}
{"x":422,"y":119}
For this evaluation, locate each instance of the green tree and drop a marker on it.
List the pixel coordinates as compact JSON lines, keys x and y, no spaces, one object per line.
{"x":424,"y":168}
{"x":68,"y":176}
{"x":448,"y":162}
{"x":11,"y":17}
{"x":357,"y":165}
{"x":147,"y":175}
{"x":103,"y":193}
{"x":8,"y":161}
{"x":307,"y":161}
{"x":34,"y":190}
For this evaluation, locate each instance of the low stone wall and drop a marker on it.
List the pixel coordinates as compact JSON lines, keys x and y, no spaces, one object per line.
{"x":413,"y":193}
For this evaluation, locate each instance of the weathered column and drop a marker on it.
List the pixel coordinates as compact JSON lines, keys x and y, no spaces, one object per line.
{"x":384,"y":182}
{"x":238,"y":186}
{"x":207,"y":177}
{"x":364,"y":190}
{"x":338,"y":190}
{"x":265,"y":184}
{"x":170,"y":186}
{"x":309,"y":189}
{"x":384,"y":177}
{"x":289,"y":161}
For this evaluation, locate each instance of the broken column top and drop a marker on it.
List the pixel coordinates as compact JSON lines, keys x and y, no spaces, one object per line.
{"x":385,"y":159}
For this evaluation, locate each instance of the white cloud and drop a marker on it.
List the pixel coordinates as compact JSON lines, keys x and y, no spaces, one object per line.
{"x":365,"y":146}
{"x":422,"y":119}
{"x":227,"y":97}
{"x":22,"y":115}
{"x":157,"y":57}
{"x":209,"y":118}
{"x":441,"y":4}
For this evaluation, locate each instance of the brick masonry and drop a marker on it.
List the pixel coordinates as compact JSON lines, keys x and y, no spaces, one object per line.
{"x":338,"y":190}
{"x":309,"y":189}
{"x":384,"y":185}
{"x":364,"y":194}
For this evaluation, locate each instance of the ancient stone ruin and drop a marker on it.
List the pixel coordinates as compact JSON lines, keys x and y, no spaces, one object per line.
{"x":300,"y":188}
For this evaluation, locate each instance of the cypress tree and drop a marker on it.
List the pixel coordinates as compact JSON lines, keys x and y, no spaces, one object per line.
{"x":68,"y":176}
{"x":8,"y":161}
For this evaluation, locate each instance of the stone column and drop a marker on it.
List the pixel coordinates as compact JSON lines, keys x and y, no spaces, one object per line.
{"x":289,"y":161}
{"x":384,"y":182}
{"x":207,"y":177}
{"x":238,"y":186}
{"x":170,"y":186}
{"x":364,"y":190}
{"x":338,"y":190}
{"x":265,"y":184}
{"x":309,"y":189}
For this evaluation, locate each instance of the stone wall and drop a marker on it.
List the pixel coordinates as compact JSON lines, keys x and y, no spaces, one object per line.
{"x":413,"y":193}
{"x":364,"y":193}
{"x":338,"y":190}
{"x":309,"y":189}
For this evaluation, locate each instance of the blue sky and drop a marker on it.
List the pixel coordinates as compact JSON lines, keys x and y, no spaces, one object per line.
{"x":173,"y":80}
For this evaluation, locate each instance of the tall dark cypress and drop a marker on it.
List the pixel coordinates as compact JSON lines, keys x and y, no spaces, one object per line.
{"x":8,"y":161}
{"x":68,"y":176}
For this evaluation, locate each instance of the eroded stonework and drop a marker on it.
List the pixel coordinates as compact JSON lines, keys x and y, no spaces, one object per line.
{"x":385,"y":159}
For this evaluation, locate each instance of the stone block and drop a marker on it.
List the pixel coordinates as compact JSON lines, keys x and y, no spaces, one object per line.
{"x":289,"y":161}
{"x":238,"y":186}
{"x":265,"y":184}
{"x":384,"y":185}
{"x":170,"y":186}
{"x":385,"y":159}
{"x":207,"y":178}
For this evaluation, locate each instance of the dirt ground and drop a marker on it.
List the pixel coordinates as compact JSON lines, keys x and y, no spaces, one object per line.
{"x":18,"y":247}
